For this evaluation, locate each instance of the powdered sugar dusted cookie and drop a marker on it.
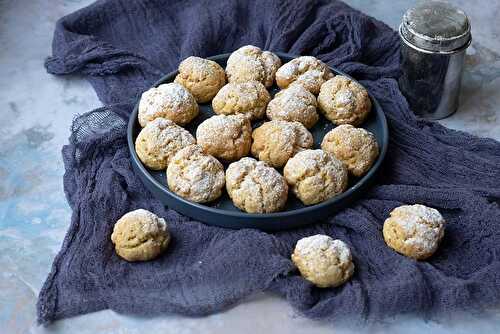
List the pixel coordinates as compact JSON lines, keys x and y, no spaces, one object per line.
{"x":202,"y":77}
{"x":344,"y":101}
{"x":195,"y":176}
{"x":355,"y":147}
{"x":255,"y":187}
{"x":247,"y":98}
{"x":315,"y":176}
{"x":250,"y":63}
{"x":140,"y":235}
{"x":225,"y":137}
{"x":277,"y":141}
{"x":307,"y":71}
{"x":171,"y":101}
{"x":323,"y":261}
{"x":414,"y":230}
{"x":159,"y":140}
{"x":294,"y":104}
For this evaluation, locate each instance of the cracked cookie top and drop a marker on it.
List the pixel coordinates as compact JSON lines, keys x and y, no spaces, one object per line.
{"x":225,"y":137}
{"x":171,"y":101}
{"x":140,"y":235}
{"x":355,"y":147}
{"x":159,"y":140}
{"x":344,"y":101}
{"x":323,"y":261}
{"x":255,"y":187}
{"x":248,"y":98}
{"x":195,"y":175}
{"x":294,"y":104}
{"x":414,"y":230}
{"x":306,"y":71}
{"x":250,"y":63}
{"x":277,"y":141}
{"x":315,"y":176}
{"x":202,"y":77}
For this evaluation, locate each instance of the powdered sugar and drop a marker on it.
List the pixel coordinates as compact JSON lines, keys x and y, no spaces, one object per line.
{"x":317,"y":244}
{"x":172,"y":100}
{"x":423,"y":225}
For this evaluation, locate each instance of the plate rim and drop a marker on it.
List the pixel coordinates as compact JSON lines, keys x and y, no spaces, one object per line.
{"x":241,"y":214}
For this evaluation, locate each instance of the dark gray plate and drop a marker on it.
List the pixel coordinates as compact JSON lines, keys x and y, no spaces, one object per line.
{"x":222,"y":212}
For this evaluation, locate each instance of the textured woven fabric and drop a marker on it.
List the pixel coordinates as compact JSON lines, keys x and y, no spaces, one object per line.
{"x":122,"y":47}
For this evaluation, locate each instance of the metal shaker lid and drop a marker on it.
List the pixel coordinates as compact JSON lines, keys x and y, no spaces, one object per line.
{"x":436,"y":26}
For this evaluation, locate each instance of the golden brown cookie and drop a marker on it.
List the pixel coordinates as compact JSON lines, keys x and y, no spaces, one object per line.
{"x":414,"y":230}
{"x":355,"y":147}
{"x":344,"y":101}
{"x":307,"y":71}
{"x":323,"y":261}
{"x":255,"y":187}
{"x":202,"y":77}
{"x":225,"y":137}
{"x":294,"y":104}
{"x":315,"y":176}
{"x":171,"y":101}
{"x":159,"y":140}
{"x":277,"y":141}
{"x":248,"y":98}
{"x":250,"y":63}
{"x":140,"y":235}
{"x":195,"y":176}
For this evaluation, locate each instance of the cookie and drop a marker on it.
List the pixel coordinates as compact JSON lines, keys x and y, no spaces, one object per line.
{"x":250,"y":63}
{"x":248,"y":98}
{"x":202,"y":77}
{"x":344,"y":101}
{"x":323,"y":261}
{"x":307,"y":71}
{"x":159,"y":140}
{"x":195,"y":176}
{"x":414,"y":230}
{"x":140,"y":235}
{"x":225,"y":137}
{"x":315,"y":176}
{"x":277,"y":141}
{"x":294,"y":104}
{"x":355,"y":147}
{"x":171,"y":101}
{"x":255,"y":187}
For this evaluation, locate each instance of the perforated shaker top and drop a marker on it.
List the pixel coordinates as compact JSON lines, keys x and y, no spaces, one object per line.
{"x":436,"y":26}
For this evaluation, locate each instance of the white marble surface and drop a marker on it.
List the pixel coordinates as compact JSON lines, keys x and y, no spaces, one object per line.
{"x":36,"y":110}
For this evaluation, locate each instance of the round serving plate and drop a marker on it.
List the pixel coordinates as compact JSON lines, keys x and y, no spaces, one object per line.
{"x":222,"y":212}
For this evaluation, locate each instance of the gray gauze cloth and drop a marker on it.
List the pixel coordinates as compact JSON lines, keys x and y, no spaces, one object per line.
{"x":123,"y":47}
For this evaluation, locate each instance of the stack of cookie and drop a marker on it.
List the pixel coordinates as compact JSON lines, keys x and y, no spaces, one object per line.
{"x":282,"y":147}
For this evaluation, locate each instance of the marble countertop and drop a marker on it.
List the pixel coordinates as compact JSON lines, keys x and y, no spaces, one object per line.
{"x":36,"y":113}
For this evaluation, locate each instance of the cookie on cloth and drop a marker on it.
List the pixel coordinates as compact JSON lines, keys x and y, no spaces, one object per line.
{"x":159,"y":140}
{"x":315,"y":176}
{"x":225,"y":137}
{"x":277,"y":141}
{"x":250,"y":63}
{"x":357,"y":148}
{"x":248,"y":98}
{"x":140,"y":235}
{"x":414,"y":230}
{"x":255,"y":187}
{"x":294,"y":104}
{"x":202,"y":77}
{"x":307,"y":71}
{"x":323,"y":261}
{"x":195,"y":176}
{"x":344,"y":101}
{"x":171,"y":101}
